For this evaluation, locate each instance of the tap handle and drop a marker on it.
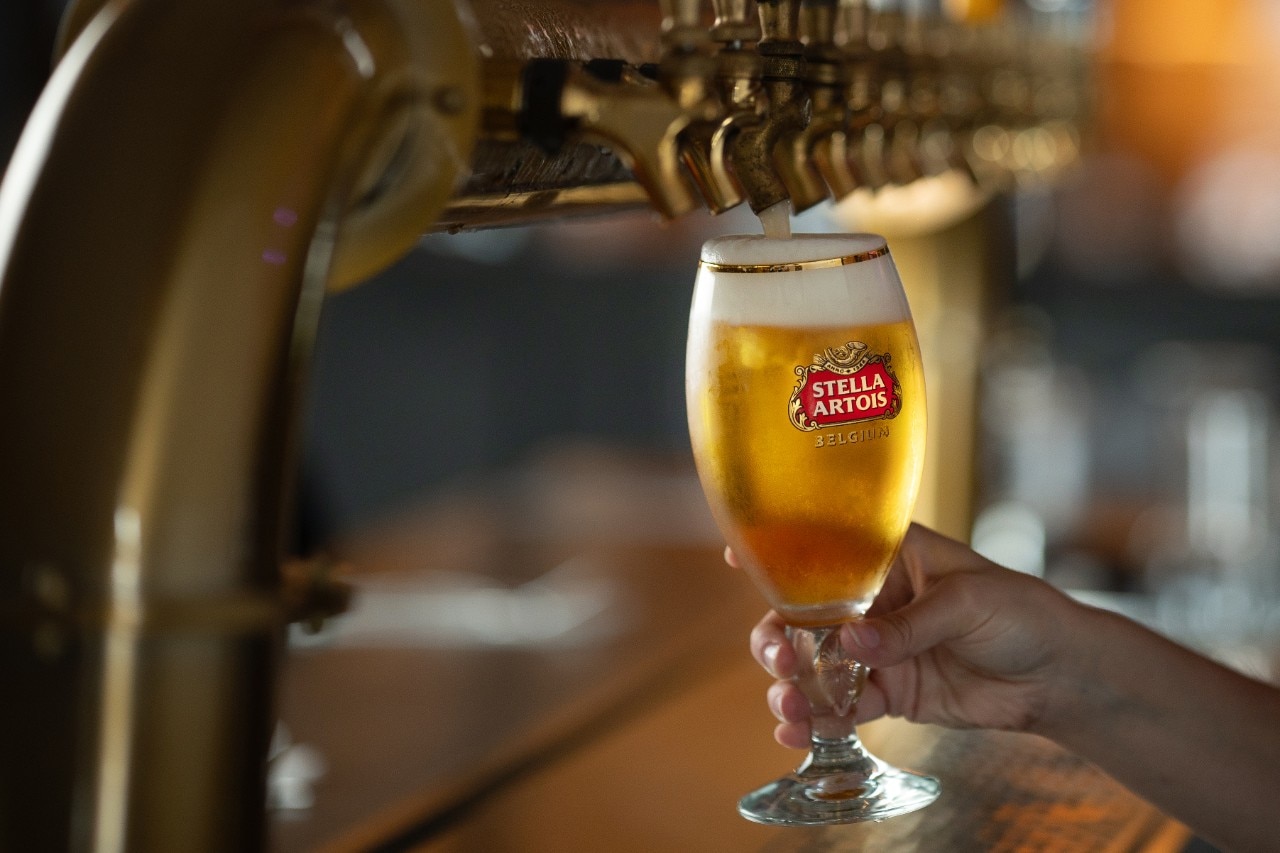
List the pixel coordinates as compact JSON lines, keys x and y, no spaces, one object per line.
{"x":779,"y":26}
{"x":682,"y":23}
{"x":851,"y":24}
{"x":818,"y":21}
{"x":818,"y":30}
{"x":680,"y":14}
{"x":734,"y":21}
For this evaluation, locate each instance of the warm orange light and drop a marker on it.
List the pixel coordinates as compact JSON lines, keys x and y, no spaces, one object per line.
{"x":1183,"y":32}
{"x":1179,"y":80}
{"x":973,"y":11}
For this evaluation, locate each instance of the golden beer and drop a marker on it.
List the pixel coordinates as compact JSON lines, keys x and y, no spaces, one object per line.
{"x":807,"y":416}
{"x":815,"y":516}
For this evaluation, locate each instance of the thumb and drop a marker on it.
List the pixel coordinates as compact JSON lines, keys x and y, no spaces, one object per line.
{"x":891,"y":638}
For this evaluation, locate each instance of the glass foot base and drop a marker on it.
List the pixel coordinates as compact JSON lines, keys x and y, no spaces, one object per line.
{"x":830,"y":800}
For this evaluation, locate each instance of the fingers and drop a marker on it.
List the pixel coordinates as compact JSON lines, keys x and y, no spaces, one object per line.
{"x":873,"y":703}
{"x":792,"y":735}
{"x":772,"y":650}
{"x":944,"y":612}
{"x":770,"y":647}
{"x":787,"y":702}
{"x":731,"y":558}
{"x":927,"y":554}
{"x":924,"y":556}
{"x":791,"y":709}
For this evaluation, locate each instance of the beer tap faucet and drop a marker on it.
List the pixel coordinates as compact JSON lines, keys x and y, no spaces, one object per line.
{"x":554,"y":101}
{"x":763,"y":153}
{"x":738,"y":75}
{"x":826,"y":77}
{"x":958,"y":103}
{"x":927,"y":147}
{"x":840,"y":158}
{"x":643,"y":126}
{"x":896,"y":144}
{"x":687,"y":71}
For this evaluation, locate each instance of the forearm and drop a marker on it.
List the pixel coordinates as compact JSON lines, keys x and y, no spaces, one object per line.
{"x":1196,"y":739}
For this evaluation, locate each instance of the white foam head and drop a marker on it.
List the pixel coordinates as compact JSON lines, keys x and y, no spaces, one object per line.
{"x":864,"y":291}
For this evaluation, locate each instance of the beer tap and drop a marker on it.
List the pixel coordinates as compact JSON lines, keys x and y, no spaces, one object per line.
{"x":687,"y":71}
{"x":826,"y":74}
{"x":763,"y":153}
{"x":889,"y":145}
{"x":959,"y":102}
{"x":738,"y":75}
{"x":1000,"y":95}
{"x":927,"y":146}
{"x":839,"y":159}
{"x":553,"y":101}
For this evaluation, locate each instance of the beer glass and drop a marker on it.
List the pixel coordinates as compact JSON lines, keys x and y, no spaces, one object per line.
{"x":807,"y":417}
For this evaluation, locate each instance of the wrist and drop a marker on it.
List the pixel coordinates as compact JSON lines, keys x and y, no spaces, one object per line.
{"x":1078,"y":691}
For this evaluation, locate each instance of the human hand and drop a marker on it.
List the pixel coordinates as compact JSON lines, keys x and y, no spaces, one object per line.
{"x":952,"y":639}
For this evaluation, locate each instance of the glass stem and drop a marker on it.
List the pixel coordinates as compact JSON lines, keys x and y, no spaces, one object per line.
{"x":832,"y":681}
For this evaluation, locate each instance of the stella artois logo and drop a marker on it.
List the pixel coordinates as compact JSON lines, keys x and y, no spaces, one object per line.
{"x":845,"y":385}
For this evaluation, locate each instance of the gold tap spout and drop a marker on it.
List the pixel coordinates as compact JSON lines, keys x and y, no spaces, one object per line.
{"x":897,"y":144}
{"x":763,"y":153}
{"x":632,"y":115}
{"x":688,"y":71}
{"x":838,"y":154}
{"x":739,"y":77}
{"x":959,"y":102}
{"x":703,"y":154}
{"x":822,"y":142}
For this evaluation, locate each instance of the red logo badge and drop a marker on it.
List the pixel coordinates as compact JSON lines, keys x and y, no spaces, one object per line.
{"x":845,"y":385}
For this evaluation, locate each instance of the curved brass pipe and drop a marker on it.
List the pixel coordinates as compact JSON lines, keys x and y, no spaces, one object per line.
{"x":427,"y":104}
{"x":167,"y":227}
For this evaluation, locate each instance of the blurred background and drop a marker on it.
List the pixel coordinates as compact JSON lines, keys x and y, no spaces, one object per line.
{"x":1103,"y":359}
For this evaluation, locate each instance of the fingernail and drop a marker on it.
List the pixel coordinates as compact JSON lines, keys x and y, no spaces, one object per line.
{"x":770,"y":655}
{"x":775,"y":706}
{"x":864,"y":635}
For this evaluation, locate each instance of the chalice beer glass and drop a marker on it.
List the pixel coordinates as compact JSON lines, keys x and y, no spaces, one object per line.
{"x":807,"y":416}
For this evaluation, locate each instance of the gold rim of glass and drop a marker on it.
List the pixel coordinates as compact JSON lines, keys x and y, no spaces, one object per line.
{"x":795,"y":266}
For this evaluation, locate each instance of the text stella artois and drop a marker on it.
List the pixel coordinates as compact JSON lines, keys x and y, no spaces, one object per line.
{"x":844,"y":385}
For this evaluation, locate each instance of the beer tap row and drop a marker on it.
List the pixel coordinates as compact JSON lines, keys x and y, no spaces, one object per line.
{"x":800,"y":101}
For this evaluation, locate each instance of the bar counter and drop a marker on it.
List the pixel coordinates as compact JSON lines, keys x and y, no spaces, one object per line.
{"x":578,"y":679}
